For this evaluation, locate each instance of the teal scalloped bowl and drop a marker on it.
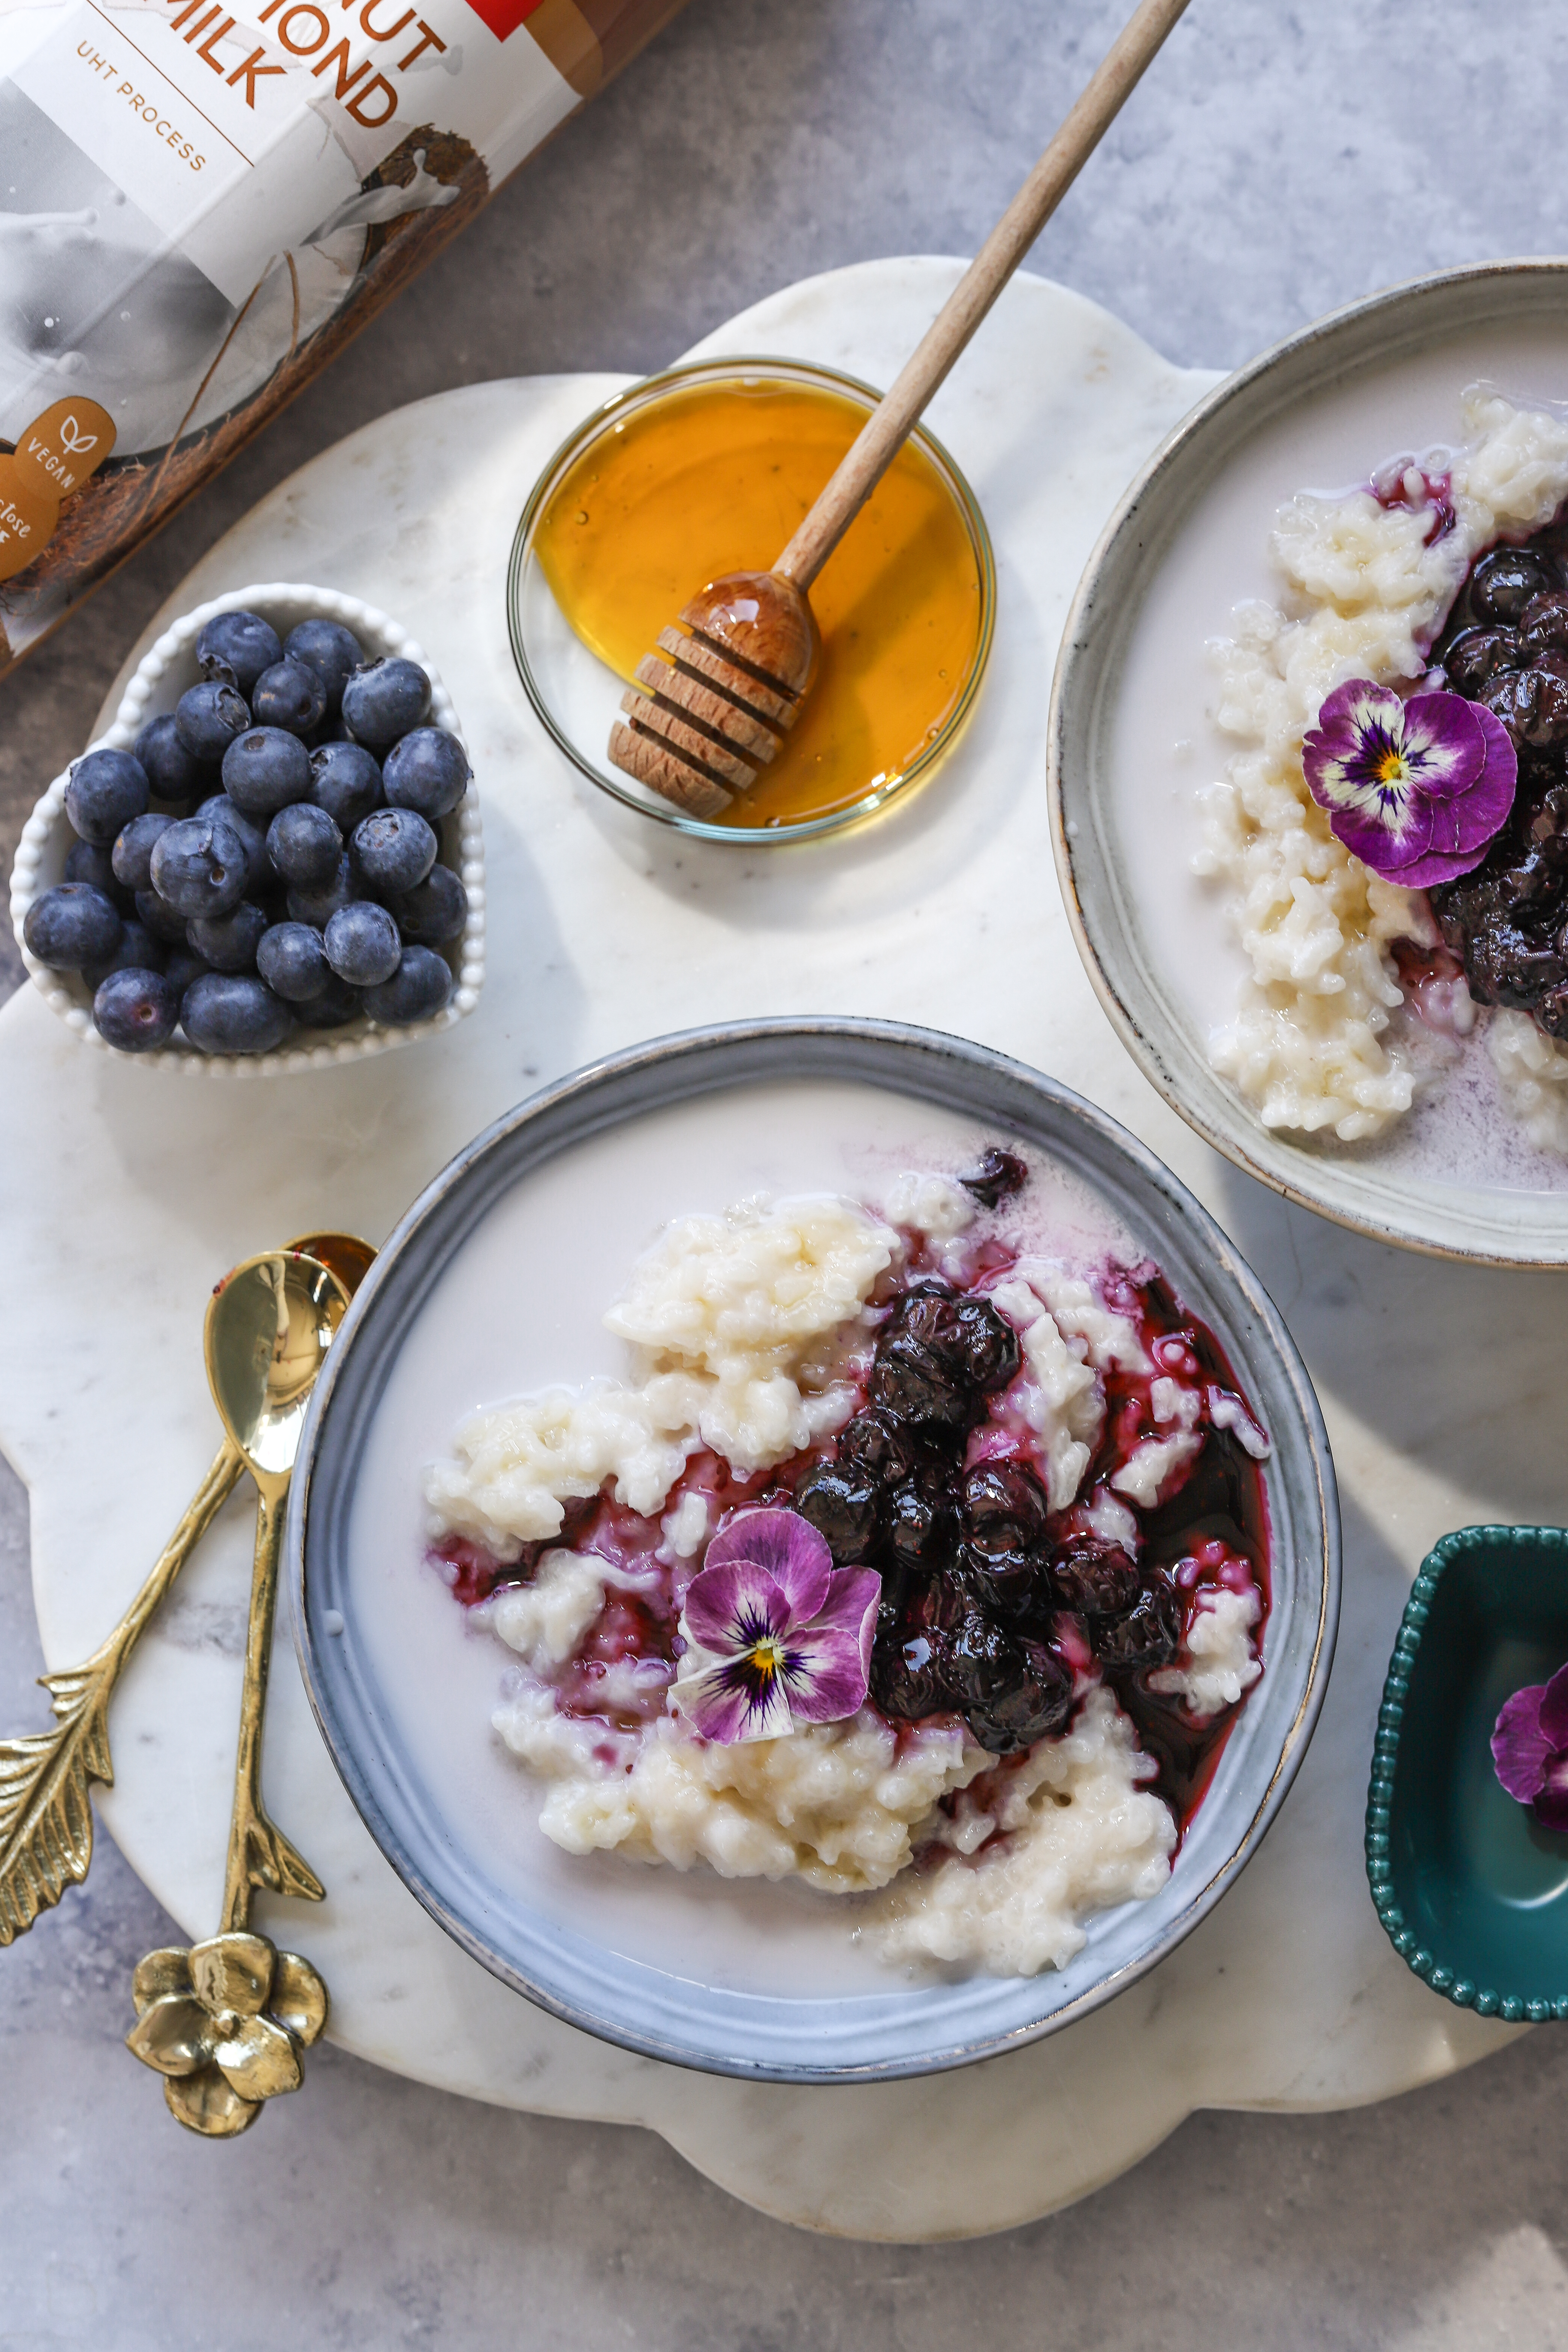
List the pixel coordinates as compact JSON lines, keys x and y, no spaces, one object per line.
{"x":1472,"y":1891}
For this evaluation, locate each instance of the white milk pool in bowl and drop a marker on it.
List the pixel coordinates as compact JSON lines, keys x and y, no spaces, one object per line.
{"x":1135,"y":739}
{"x":494,"y":1285}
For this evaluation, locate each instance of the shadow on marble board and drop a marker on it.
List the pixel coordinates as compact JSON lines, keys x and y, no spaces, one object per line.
{"x":381,"y":1128}
{"x":882,"y":862}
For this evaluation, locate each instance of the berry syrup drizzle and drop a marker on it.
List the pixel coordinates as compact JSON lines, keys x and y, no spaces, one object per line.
{"x":1432,"y":494}
{"x":1210,"y":1530}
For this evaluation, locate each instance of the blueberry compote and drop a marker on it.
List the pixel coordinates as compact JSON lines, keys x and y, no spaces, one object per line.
{"x":1505,"y":644}
{"x":995,"y":1608}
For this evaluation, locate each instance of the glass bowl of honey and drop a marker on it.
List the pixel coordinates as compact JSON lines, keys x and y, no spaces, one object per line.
{"x":706,"y":470}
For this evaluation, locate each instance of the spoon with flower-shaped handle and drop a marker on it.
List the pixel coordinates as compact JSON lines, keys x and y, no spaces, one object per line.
{"x":46,"y":1810}
{"x":224,"y":2023}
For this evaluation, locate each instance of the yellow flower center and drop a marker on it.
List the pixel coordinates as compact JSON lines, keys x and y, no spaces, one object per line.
{"x":1391,"y":769}
{"x":765,"y":1658}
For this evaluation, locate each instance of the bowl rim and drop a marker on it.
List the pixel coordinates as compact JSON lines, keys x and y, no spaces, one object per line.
{"x":1085,"y":678}
{"x":648,"y":389}
{"x":325,"y":1050}
{"x":1429,"y":1966}
{"x":1159,"y":1189}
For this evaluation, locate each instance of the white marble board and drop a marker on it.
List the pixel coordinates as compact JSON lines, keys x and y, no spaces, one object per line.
{"x":125,"y":1191}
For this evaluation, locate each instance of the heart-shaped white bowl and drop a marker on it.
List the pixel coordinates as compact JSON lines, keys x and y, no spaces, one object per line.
{"x":168,"y":668}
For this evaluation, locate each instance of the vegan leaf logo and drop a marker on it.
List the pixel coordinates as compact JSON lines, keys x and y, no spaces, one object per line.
{"x":74,"y":439}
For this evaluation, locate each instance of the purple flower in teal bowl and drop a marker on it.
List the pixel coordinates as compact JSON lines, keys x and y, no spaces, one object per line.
{"x":1530,"y":1749}
{"x":1416,"y":790}
{"x":776,"y":1635}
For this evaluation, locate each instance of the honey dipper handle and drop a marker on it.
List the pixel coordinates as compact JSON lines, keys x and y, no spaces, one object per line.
{"x":887,"y":427}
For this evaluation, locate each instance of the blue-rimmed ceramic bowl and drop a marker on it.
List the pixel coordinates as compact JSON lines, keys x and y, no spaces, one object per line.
{"x":736,"y":1977}
{"x":1472,"y":1890}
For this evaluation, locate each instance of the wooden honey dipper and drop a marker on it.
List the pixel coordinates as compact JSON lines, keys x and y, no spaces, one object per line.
{"x":723,"y":693}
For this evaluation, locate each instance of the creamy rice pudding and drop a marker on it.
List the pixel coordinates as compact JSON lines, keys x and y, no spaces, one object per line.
{"x":1361,"y":994}
{"x":906,"y":1560}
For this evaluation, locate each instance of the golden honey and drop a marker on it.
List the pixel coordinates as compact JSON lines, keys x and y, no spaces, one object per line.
{"x":713,"y":477}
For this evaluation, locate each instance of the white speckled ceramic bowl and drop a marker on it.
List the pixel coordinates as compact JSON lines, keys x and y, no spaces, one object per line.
{"x":691,"y":1971}
{"x":168,"y":668}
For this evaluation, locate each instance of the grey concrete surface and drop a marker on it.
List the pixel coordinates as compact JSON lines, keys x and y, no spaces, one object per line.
{"x":1279,"y":161}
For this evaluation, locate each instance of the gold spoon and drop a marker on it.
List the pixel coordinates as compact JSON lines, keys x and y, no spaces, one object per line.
{"x":224,"y":2023}
{"x":46,"y":1811}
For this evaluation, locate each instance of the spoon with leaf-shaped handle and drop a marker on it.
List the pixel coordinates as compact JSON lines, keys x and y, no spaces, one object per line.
{"x":46,"y":1810}
{"x":224,"y":2023}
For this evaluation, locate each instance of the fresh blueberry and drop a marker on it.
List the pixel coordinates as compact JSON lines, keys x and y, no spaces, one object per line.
{"x":131,"y":856}
{"x":209,"y":718}
{"x":362,"y":943}
{"x":87,"y":861}
{"x":106,"y":790}
{"x":233,"y":1013}
{"x":427,"y":769}
{"x":317,"y":905}
{"x":165,"y":922}
{"x":337,"y":1003}
{"x":73,"y":925}
{"x":135,"y":1010}
{"x":434,"y":911}
{"x":229,"y":942}
{"x":292,"y":961}
{"x":417,"y":991}
{"x":334,"y":652}
{"x":392,"y":850}
{"x":235,"y":647}
{"x":173,"y":770}
{"x":138,"y":951}
{"x":199,"y":865}
{"x":346,"y":781}
{"x":383,"y":700}
{"x":259,"y":875}
{"x":304,"y":845}
{"x":288,"y":695}
{"x":183,"y":966}
{"x":264,"y":770}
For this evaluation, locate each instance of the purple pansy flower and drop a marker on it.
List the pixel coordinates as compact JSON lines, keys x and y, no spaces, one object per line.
{"x":1530,"y":1749}
{"x":1416,"y":790}
{"x":776,"y":1635}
